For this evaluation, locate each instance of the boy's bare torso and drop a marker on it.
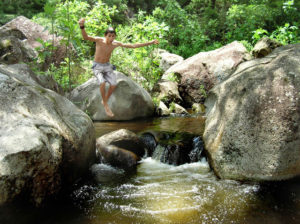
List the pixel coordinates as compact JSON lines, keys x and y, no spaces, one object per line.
{"x":104,"y":50}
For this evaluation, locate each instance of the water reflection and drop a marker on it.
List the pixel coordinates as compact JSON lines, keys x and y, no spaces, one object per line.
{"x":192,"y":124}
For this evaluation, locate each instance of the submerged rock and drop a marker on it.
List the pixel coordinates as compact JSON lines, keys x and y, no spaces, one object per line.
{"x":121,"y":148}
{"x":149,"y":142}
{"x":252,"y":126}
{"x":118,"y":157}
{"x":104,"y":173}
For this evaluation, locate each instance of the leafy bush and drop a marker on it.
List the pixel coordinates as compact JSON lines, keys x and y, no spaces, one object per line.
{"x":185,"y":37}
{"x":140,"y":63}
{"x":121,"y":14}
{"x":172,"y":77}
{"x":242,"y":19}
{"x":287,"y":34}
{"x":258,"y":34}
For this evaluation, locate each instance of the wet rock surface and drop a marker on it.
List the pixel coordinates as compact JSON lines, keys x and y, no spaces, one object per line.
{"x":121,"y":148}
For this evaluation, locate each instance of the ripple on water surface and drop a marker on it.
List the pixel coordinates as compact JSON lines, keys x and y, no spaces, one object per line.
{"x":161,"y":193}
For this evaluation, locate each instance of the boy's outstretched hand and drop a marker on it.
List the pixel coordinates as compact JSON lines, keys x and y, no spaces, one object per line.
{"x":155,"y":41}
{"x":81,"y":22}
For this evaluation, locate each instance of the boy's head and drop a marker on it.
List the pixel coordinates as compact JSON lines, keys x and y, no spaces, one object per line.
{"x":110,"y":30}
{"x":110,"y":35}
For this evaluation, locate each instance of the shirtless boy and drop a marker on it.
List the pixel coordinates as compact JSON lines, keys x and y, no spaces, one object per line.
{"x":102,"y":69}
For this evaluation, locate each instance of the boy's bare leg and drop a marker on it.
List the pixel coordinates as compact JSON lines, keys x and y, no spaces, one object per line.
{"x":104,"y":100}
{"x":102,"y":91}
{"x":109,"y":92}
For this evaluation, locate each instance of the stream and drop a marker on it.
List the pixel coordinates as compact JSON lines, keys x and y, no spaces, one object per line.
{"x":162,"y":193}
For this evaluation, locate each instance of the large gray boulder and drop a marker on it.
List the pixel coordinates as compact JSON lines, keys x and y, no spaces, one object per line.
{"x":252,"y":127}
{"x":199,"y":73}
{"x":25,"y":74}
{"x":46,"y":142}
{"x":128,"y":101}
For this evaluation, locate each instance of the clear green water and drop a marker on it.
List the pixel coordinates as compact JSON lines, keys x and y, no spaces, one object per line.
{"x":161,"y":193}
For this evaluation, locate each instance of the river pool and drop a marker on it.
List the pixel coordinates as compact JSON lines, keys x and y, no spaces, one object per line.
{"x":161,"y":193}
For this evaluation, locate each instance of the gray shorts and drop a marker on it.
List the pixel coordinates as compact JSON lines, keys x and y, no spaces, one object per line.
{"x":105,"y":73}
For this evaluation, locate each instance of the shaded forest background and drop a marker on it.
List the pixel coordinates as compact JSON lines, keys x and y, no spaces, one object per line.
{"x":184,"y":27}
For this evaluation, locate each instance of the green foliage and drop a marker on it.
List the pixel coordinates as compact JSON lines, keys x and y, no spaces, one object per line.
{"x":172,"y":77}
{"x":258,"y":34}
{"x":291,"y":11}
{"x":121,"y":10}
{"x":10,"y":9}
{"x":202,"y":91}
{"x":172,"y":107}
{"x":183,"y":27}
{"x":141,"y":63}
{"x":186,"y":37}
{"x":44,"y":51}
{"x":156,"y":101}
{"x":287,"y":34}
{"x":99,"y":18}
{"x":244,"y":18}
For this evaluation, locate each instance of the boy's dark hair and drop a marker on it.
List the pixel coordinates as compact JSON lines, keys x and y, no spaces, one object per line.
{"x":110,"y":30}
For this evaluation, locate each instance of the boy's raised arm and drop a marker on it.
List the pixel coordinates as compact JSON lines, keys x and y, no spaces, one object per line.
{"x":83,"y":33}
{"x":136,"y":45}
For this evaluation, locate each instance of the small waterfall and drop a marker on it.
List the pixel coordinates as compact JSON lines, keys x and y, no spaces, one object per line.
{"x":159,"y":152}
{"x":178,"y":148}
{"x":150,"y":143}
{"x":198,"y":146}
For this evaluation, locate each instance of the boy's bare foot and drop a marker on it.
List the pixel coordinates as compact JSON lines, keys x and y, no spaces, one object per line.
{"x":108,"y":111}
